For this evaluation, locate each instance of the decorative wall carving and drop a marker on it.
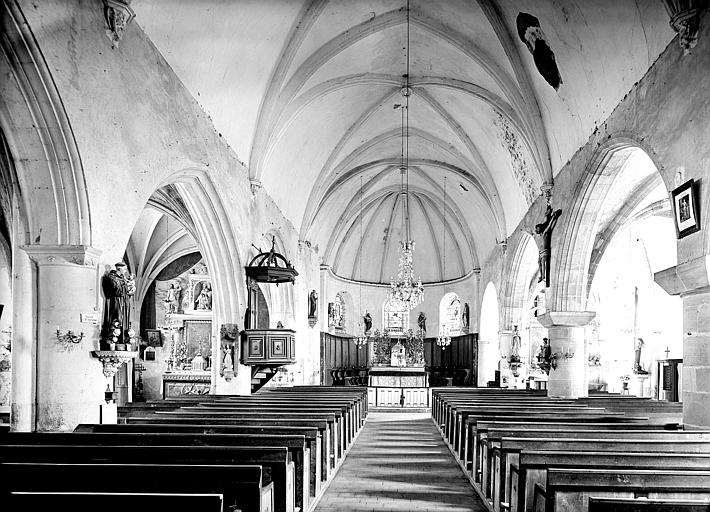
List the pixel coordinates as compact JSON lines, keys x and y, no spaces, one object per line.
{"x":685,"y":17}
{"x":118,"y":15}
{"x":521,"y":169}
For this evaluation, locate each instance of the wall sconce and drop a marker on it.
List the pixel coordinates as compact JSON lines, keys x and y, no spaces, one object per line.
{"x":69,"y":338}
{"x":566,"y":354}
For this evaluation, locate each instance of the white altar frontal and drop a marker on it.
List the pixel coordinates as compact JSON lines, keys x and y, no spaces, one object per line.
{"x":398,"y":386}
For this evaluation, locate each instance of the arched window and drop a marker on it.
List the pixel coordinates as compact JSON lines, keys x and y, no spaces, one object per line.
{"x":450,"y":314}
{"x":395,"y":318}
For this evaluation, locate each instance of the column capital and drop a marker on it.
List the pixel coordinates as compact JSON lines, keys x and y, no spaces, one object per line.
{"x":566,"y":318}
{"x":52,"y":255}
{"x":690,"y":277}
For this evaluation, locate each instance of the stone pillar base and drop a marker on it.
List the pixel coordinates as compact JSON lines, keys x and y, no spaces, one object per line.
{"x":566,"y":332}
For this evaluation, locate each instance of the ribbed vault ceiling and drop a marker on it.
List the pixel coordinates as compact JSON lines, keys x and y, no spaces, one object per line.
{"x":304,"y":92}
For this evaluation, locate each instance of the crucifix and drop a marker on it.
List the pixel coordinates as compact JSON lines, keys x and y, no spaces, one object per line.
{"x":667,"y":351}
{"x":543,"y":236}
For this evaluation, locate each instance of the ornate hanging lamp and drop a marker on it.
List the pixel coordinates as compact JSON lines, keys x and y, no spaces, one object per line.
{"x":444,"y":340}
{"x":405,"y":291}
{"x":361,"y":339}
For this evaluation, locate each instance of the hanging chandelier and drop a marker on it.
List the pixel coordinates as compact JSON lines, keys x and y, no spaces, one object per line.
{"x":444,"y":340}
{"x":406,"y":292}
{"x":361,"y":339}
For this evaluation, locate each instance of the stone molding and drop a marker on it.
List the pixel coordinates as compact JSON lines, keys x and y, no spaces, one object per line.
{"x":566,"y":318}
{"x":79,"y":255}
{"x":690,"y":277}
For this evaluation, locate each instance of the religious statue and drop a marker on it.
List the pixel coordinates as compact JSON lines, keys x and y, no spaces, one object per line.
{"x":398,"y":355}
{"x":515,"y":346}
{"x":421,"y":322}
{"x":543,"y":236}
{"x":544,"y":356}
{"x":534,"y":38}
{"x":638,"y":368}
{"x":313,"y":304}
{"x":368,"y":322}
{"x":228,"y":338}
{"x":172,"y":299}
{"x":118,"y":286}
{"x":204,"y":300}
{"x":465,"y":317}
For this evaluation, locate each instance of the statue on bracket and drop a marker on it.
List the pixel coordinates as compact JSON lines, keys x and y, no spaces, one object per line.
{"x":465,"y":318}
{"x":543,"y":236}
{"x":172,"y":298}
{"x":367,"y":319}
{"x":313,"y":304}
{"x":421,"y":322}
{"x":118,"y":286}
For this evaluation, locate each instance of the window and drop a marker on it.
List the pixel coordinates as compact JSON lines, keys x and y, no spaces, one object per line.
{"x":395,"y":319}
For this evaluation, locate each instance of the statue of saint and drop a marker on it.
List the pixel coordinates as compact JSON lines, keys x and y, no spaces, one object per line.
{"x":398,"y":356}
{"x":204,"y":300}
{"x":118,"y":286}
{"x":465,"y":317}
{"x":172,"y":299}
{"x":543,"y":237}
{"x":313,"y":304}
{"x":368,"y":322}
{"x":638,"y":368}
{"x":421,"y":322}
{"x":515,"y":346}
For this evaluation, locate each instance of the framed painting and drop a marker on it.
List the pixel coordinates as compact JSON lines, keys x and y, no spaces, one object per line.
{"x":686,"y":209}
{"x":153,"y":338}
{"x":198,"y":338}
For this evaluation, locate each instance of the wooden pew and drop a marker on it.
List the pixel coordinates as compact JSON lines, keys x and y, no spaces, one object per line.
{"x":322,"y":425}
{"x":500,"y":469}
{"x":277,"y":461}
{"x":507,"y":453}
{"x":569,"y":490}
{"x":296,"y":446}
{"x":481,"y":428}
{"x":114,"y":502}
{"x":532,"y":466}
{"x":646,"y":505}
{"x":312,"y":437}
{"x":241,"y":486}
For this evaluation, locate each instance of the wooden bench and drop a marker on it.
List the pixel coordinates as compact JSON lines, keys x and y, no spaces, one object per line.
{"x":312,"y":437}
{"x":295,"y":444}
{"x":240,"y":486}
{"x":509,"y":449}
{"x":569,"y":490}
{"x":532,"y":466}
{"x":275,"y":461}
{"x":646,"y":505}
{"x":114,"y":502}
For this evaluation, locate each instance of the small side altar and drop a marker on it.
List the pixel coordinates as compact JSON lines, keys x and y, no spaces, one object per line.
{"x":398,"y":377}
{"x":186,"y":383}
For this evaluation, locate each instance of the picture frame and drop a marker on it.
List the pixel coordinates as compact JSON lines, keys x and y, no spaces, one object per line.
{"x":686,"y":208}
{"x":153,"y":337}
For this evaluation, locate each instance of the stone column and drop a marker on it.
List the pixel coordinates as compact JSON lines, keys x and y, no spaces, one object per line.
{"x":22,"y":412}
{"x":69,"y":384}
{"x":566,"y":332}
{"x":691,"y":281}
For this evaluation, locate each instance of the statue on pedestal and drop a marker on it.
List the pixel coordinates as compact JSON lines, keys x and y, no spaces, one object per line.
{"x":313,"y":304}
{"x":638,"y":368}
{"x":118,"y":286}
{"x":367,"y":319}
{"x":421,"y":322}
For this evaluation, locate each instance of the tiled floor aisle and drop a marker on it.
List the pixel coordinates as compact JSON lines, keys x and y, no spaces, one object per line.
{"x":400,"y":462}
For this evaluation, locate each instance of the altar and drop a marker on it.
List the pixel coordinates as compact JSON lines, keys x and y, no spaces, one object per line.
{"x":398,"y":377}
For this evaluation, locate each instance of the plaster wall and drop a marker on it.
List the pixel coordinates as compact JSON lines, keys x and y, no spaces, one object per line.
{"x":374,"y":297}
{"x":137,"y":128}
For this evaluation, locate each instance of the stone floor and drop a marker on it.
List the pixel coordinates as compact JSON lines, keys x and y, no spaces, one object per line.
{"x":400,"y":462}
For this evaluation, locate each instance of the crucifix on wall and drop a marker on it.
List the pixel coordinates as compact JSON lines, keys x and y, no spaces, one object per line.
{"x":543,"y":236}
